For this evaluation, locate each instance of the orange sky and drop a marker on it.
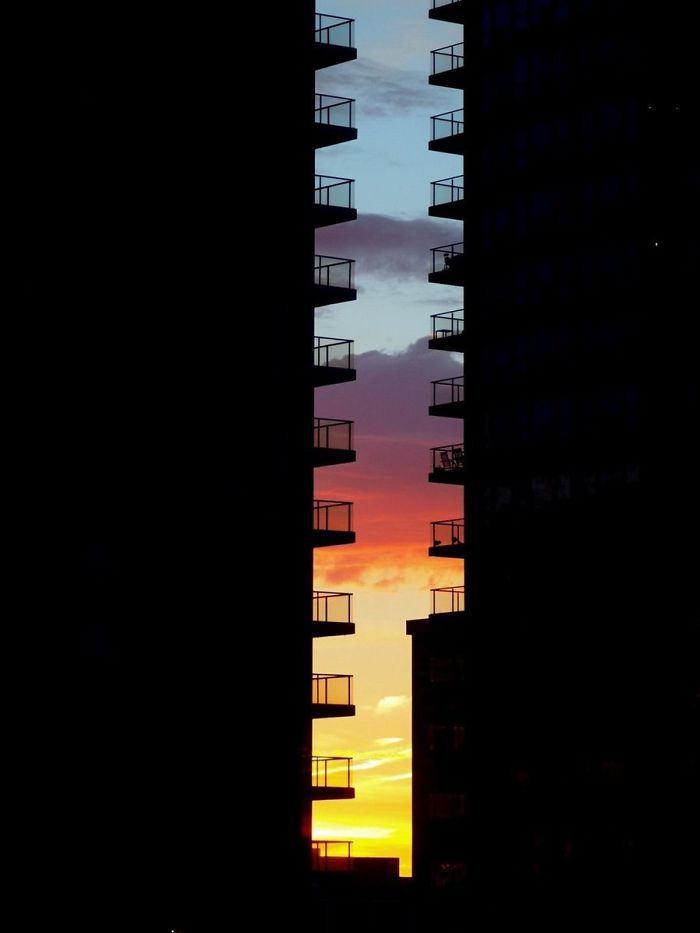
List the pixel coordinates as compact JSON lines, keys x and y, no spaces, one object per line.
{"x":391,"y":575}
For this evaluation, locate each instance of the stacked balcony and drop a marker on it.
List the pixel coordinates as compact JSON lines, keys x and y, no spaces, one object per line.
{"x":447,"y":132}
{"x":447,"y":601}
{"x":331,"y":855}
{"x":448,"y":398}
{"x":332,"y":523}
{"x":331,"y":778}
{"x":334,"y":280}
{"x":332,"y":695}
{"x":334,"y":120}
{"x":448,"y":66}
{"x":332,"y":442}
{"x":334,"y":200}
{"x":333,"y":361}
{"x":447,"y":465}
{"x":448,"y":198}
{"x":448,"y":331}
{"x":448,"y":267}
{"x":448,"y":538}
{"x":448,"y":11}
{"x":333,"y":438}
{"x":334,"y":41}
{"x":332,"y":614}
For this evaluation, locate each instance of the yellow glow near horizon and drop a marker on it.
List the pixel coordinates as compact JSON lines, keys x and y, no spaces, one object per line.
{"x":378,"y":738}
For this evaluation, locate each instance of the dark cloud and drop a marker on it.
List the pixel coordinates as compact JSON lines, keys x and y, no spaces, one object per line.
{"x":380,"y":89}
{"x":394,"y":504}
{"x":390,"y":399}
{"x":387,"y":245}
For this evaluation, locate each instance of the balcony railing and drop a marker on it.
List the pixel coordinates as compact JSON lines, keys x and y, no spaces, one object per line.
{"x":448,"y":258}
{"x":330,"y":771}
{"x":332,"y":607}
{"x":332,"y":689}
{"x":334,"y":271}
{"x":448,"y":391}
{"x":331,"y":352}
{"x":332,"y":516}
{"x":448,"y":533}
{"x":436,"y":4}
{"x":333,"y":435}
{"x":335,"y":30}
{"x":447,"y":58}
{"x":448,"y":324}
{"x":331,"y":855}
{"x":448,"y":459}
{"x":447,"y":599}
{"x":447,"y":124}
{"x":335,"y":111}
{"x":334,"y":192}
{"x":448,"y":190}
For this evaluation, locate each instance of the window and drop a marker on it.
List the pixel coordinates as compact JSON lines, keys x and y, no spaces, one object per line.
{"x":446,"y":739}
{"x":446,"y":670}
{"x":446,"y":806}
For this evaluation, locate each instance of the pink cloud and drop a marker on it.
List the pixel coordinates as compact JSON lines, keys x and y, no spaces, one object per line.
{"x":388,"y":245}
{"x":394,"y":503}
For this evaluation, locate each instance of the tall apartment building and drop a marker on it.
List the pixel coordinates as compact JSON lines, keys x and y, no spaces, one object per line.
{"x":555,"y":689}
{"x":165,"y":344}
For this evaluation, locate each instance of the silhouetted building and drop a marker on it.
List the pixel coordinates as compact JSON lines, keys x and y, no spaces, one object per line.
{"x":165,"y":340}
{"x":555,"y":696}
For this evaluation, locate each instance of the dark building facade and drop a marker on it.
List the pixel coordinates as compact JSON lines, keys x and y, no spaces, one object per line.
{"x":164,"y":335}
{"x":556,"y":694}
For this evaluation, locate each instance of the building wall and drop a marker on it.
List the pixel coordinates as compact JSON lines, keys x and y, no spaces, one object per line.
{"x":579,"y":618}
{"x":167,"y":346}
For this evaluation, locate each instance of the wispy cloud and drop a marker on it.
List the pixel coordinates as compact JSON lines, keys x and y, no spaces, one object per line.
{"x":388,"y":246}
{"x":388,"y":740}
{"x":390,"y":778}
{"x":381,"y":89}
{"x":389,"y":703}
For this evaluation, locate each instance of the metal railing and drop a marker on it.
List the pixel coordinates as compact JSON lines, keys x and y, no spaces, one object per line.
{"x":447,"y":124}
{"x":330,"y":771}
{"x":448,"y":458}
{"x":448,"y":324}
{"x":333,"y":435}
{"x":438,"y":3}
{"x":448,"y":391}
{"x":331,"y":855}
{"x":335,"y":111}
{"x":332,"y":516}
{"x":447,"y":599}
{"x":334,"y":192}
{"x":335,"y":30}
{"x":332,"y":607}
{"x":448,"y":190}
{"x":331,"y":352}
{"x":447,"y":58}
{"x":334,"y":271}
{"x":448,"y":258}
{"x":333,"y":689}
{"x":449,"y":532}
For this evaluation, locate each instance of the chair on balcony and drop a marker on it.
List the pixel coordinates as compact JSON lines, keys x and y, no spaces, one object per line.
{"x":458,"y":458}
{"x":454,"y":262}
{"x":447,"y":461}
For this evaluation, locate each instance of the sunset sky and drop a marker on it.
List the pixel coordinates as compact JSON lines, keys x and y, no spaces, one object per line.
{"x":387,"y":569}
